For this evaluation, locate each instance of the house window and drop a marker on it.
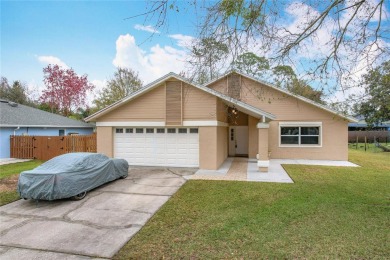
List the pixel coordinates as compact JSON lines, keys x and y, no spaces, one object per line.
{"x":304,"y":134}
{"x":182,"y":130}
{"x":149,"y":130}
{"x":129,"y":130}
{"x":171,"y":130}
{"x":61,"y":132}
{"x":193,"y":130}
{"x":160,"y":130}
{"x":139,"y":130}
{"x":119,"y":130}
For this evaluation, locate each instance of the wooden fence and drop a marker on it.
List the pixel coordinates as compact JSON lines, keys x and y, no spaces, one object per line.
{"x":47,"y":147}
{"x":371,"y":136}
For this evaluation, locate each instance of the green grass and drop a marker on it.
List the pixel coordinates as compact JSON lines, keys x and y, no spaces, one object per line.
{"x":16,"y":168}
{"x":370,"y":147}
{"x":329,"y":212}
{"x":8,"y":192}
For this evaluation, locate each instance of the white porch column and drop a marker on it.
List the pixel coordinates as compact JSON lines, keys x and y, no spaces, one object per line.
{"x":262,"y":156}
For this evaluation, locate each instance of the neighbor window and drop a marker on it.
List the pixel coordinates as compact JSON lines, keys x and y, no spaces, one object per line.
{"x":119,"y":130}
{"x":300,"y":135}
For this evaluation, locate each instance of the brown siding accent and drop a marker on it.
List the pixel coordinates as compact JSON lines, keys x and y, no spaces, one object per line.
{"x":234,"y":86}
{"x":148,"y":107}
{"x":173,"y":103}
{"x":253,"y":137}
{"x":198,"y":105}
{"x":105,"y":140}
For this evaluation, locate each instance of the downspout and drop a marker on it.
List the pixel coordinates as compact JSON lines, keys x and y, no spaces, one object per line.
{"x":16,"y":130}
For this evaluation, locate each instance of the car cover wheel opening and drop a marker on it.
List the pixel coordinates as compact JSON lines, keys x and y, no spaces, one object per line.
{"x":80,"y":196}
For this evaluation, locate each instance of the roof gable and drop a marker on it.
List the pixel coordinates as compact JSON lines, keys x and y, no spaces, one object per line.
{"x":301,"y":98}
{"x":230,"y":101}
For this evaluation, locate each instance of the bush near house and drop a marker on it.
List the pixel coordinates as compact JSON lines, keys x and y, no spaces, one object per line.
{"x":329,"y":212}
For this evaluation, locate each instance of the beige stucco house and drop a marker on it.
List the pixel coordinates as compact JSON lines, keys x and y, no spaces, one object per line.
{"x":172,"y":122}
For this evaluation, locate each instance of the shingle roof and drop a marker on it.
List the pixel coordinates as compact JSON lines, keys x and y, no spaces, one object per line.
{"x":25,"y":116}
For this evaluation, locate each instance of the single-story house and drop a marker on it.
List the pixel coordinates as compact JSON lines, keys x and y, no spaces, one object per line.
{"x":173,"y":122}
{"x":17,"y":119}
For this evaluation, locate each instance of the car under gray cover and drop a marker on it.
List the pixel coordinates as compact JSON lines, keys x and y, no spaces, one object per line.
{"x":68,"y":175}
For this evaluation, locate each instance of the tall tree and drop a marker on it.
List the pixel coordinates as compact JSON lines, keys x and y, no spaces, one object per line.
{"x":300,"y":87}
{"x":341,"y":33}
{"x":251,"y":64}
{"x":375,"y":105}
{"x":16,"y":93}
{"x":65,"y":90}
{"x":207,"y":59}
{"x":124,"y":82}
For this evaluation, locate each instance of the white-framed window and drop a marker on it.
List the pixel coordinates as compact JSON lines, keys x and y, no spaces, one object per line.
{"x":119,"y":130}
{"x":300,"y":134}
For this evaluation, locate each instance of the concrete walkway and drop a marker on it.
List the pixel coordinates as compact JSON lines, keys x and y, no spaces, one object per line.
{"x":4,"y":161}
{"x":96,"y":227}
{"x":244,"y":169}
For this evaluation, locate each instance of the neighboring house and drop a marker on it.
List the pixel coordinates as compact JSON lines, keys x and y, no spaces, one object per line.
{"x":16,"y":119}
{"x":361,"y":125}
{"x":172,"y":122}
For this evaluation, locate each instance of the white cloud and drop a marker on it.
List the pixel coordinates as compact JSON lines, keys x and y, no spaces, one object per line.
{"x":52,"y":60}
{"x":150,"y":64}
{"x":183,"y":41}
{"x":146,"y":28}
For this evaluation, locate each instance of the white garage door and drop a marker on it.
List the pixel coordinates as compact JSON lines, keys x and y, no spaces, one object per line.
{"x":157,"y":146}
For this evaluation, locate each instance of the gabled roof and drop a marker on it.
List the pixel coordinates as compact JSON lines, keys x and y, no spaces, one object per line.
{"x":251,"y":110}
{"x":14,"y":115}
{"x":349,"y":118}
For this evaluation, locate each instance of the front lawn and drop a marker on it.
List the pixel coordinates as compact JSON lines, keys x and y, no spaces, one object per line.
{"x":329,"y":212}
{"x":9,"y":178}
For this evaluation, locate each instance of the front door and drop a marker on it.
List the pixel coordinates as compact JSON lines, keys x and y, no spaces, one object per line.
{"x":238,"y":141}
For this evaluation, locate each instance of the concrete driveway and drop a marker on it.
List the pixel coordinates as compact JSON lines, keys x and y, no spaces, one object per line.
{"x":95,"y":227}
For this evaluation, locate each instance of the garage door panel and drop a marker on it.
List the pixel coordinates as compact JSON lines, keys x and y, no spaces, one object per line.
{"x":158,"y":149}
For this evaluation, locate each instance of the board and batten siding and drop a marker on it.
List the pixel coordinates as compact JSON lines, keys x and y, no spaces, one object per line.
{"x":173,"y":103}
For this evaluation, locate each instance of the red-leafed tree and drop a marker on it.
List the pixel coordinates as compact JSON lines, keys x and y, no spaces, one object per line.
{"x":66,"y":91}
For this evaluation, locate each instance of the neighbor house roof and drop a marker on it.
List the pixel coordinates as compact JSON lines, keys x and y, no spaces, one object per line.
{"x":349,"y":118}
{"x":244,"y":107}
{"x":14,"y":115}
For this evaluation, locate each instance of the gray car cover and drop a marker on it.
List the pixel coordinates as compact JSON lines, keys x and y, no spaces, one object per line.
{"x":70,"y":174}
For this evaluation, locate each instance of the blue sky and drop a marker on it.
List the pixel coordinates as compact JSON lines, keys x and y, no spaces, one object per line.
{"x":94,"y":37}
{"x":80,"y":34}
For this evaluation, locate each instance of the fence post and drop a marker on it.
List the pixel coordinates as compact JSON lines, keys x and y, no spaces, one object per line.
{"x":357,"y":142}
{"x":365,"y":143}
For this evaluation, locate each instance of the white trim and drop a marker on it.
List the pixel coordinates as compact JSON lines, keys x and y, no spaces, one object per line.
{"x":263,"y":163}
{"x":160,"y":123}
{"x":298,"y":124}
{"x":204,"y":123}
{"x":47,"y":126}
{"x":133,"y":123}
{"x":262,"y":125}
